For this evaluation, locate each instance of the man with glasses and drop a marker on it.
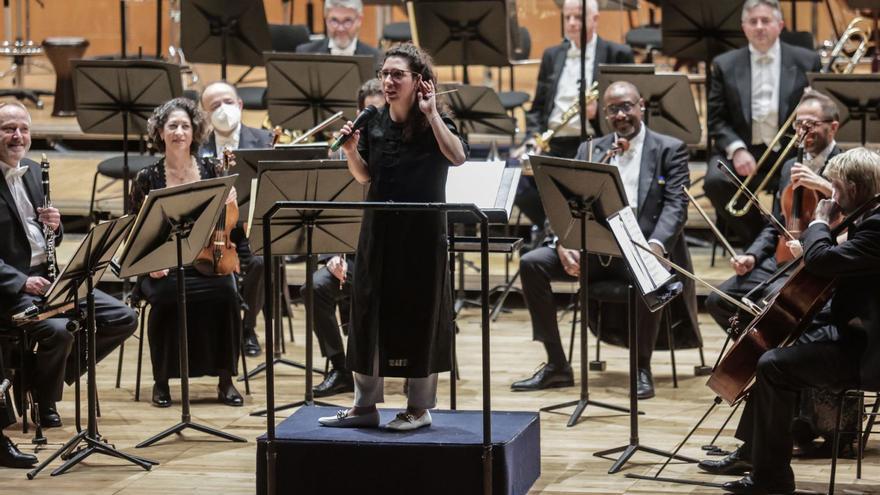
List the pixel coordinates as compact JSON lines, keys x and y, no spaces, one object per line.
{"x":653,"y":169}
{"x":343,"y":23}
{"x":818,"y":118}
{"x":752,"y":92}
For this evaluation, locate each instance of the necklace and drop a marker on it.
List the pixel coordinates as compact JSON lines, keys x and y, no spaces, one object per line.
{"x":183,"y":175}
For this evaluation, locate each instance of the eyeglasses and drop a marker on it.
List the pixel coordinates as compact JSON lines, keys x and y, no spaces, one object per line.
{"x":807,"y":124}
{"x":625,"y":107}
{"x":347,"y":23}
{"x":396,"y":74}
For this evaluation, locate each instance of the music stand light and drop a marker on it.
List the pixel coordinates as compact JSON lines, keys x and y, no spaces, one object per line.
{"x":224,"y":32}
{"x":858,"y":98}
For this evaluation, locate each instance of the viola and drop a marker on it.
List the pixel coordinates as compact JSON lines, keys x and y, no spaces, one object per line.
{"x":219,"y":256}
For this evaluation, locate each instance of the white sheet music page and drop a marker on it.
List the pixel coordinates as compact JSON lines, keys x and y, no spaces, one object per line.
{"x":649,"y":273}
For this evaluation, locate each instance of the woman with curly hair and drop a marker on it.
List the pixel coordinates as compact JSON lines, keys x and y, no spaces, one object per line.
{"x":177,"y":128}
{"x":401,"y":321}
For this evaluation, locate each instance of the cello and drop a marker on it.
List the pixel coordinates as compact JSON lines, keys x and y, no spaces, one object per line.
{"x":787,"y":315}
{"x":219,"y":256}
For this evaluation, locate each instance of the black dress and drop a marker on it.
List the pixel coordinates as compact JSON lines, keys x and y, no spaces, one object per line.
{"x":213,"y":312}
{"x":402,"y":302}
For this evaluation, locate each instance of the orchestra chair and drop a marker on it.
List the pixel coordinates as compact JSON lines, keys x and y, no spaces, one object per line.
{"x":802,"y":39}
{"x":862,"y":433}
{"x":112,"y":168}
{"x":16,"y":355}
{"x":511,"y":100}
{"x":648,"y":39}
{"x":284,"y":38}
{"x":394,"y":33}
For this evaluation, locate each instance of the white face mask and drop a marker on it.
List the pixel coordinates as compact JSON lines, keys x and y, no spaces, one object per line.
{"x":226,"y":117}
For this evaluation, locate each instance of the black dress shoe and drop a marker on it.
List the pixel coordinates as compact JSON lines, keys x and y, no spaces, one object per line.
{"x":336,"y":382}
{"x":549,"y":376}
{"x":645,"y":386}
{"x":227,"y":394}
{"x":161,"y":395}
{"x":11,"y":457}
{"x":251,"y":344}
{"x":49,"y":417}
{"x":734,"y":464}
{"x":747,"y":486}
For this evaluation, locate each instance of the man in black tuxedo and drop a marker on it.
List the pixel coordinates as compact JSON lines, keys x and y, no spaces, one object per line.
{"x":849,"y":360}
{"x":557,"y":91}
{"x":819,"y":119}
{"x":220,"y":100}
{"x":653,"y":170}
{"x":24,"y":268}
{"x":751,"y":94}
{"x":342,"y":19}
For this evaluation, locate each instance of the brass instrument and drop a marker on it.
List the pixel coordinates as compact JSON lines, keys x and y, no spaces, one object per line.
{"x":542,"y":141}
{"x":48,"y":232}
{"x":852,"y":33}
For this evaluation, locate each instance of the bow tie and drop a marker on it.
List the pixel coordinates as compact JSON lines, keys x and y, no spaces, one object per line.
{"x":19,"y":171}
{"x":764,"y":59}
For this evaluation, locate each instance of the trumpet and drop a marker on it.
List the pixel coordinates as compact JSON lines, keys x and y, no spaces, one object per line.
{"x":48,"y":233}
{"x":542,"y":140}
{"x":852,"y":34}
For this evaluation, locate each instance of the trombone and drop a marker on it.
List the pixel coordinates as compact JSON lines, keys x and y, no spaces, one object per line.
{"x":852,"y":33}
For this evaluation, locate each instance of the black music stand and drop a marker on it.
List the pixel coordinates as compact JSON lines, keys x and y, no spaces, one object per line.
{"x":77,"y":281}
{"x":462,"y":32}
{"x":305,"y":232}
{"x":478,"y":109}
{"x":669,"y":105}
{"x":224,"y":32}
{"x":172,"y":227}
{"x":700,"y":30}
{"x":578,"y":196}
{"x":858,"y":98}
{"x":118,"y":96}
{"x":304,"y":89}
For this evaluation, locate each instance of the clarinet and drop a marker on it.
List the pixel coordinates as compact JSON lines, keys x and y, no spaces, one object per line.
{"x":48,"y":232}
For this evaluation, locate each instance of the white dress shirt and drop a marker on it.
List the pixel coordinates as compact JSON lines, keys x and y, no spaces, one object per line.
{"x":229,"y":142}
{"x":349,"y":50}
{"x":766,"y":69}
{"x":815,"y":163}
{"x":567,"y":88}
{"x":629,"y":163}
{"x":26,"y":211}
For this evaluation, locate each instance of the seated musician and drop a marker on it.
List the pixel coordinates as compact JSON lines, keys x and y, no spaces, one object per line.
{"x":332,"y":286}
{"x":752,"y":91}
{"x":24,"y":268}
{"x":177,"y":127}
{"x":847,"y":361}
{"x":557,"y":92}
{"x":342,"y":19}
{"x":654,"y":169}
{"x":819,"y":113}
{"x":221,"y":102}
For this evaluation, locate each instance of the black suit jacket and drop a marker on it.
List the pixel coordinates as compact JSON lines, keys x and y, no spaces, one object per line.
{"x":552,"y":63}
{"x":730,"y":91}
{"x":250,"y":138}
{"x":662,"y":212}
{"x":323,"y":46}
{"x":855,"y":307}
{"x":15,"y":250}
{"x":764,"y":246}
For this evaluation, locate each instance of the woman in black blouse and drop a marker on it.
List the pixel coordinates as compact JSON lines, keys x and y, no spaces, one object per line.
{"x":178,"y":128}
{"x":401,"y":304}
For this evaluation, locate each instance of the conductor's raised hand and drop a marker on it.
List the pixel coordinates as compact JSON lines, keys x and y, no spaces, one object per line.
{"x":427,"y":98}
{"x":350,"y":146}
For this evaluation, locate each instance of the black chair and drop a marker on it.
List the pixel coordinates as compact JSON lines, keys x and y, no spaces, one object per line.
{"x":16,"y":355}
{"x":648,"y":39}
{"x":511,"y":100}
{"x":112,"y":168}
{"x":802,"y":39}
{"x":862,"y":433}
{"x":285,"y":38}
{"x":396,"y":32}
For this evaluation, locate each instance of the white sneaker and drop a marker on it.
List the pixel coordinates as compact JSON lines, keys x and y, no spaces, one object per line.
{"x":342,"y":419}
{"x":406,"y":421}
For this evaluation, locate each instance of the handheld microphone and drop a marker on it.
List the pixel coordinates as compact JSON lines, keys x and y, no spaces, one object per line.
{"x":362,"y":119}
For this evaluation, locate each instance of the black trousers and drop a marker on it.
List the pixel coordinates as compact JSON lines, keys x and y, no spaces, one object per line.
{"x":737,"y":287}
{"x":767,"y":417}
{"x":328,"y":294}
{"x":720,"y":188}
{"x":541,"y":266}
{"x":252,"y":290}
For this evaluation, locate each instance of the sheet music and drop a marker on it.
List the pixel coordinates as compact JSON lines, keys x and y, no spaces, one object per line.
{"x":649,"y":273}
{"x":250,"y":221}
{"x":474,"y":182}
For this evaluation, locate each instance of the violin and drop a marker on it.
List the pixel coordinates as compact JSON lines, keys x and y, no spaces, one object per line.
{"x":787,"y":315}
{"x":798,"y":206}
{"x":219,"y":256}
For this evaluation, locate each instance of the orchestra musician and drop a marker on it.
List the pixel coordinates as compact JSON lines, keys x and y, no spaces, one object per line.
{"x":342,"y":19}
{"x":557,"y":91}
{"x":752,"y":91}
{"x":402,"y":319}
{"x":177,"y":127}
{"x":221,"y":102}
{"x":332,"y":288}
{"x":758,"y":263}
{"x":23,"y":270}
{"x":653,"y":169}
{"x":848,"y":361}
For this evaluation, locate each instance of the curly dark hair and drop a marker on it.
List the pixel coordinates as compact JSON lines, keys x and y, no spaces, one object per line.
{"x":160,"y":117}
{"x":420,"y":63}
